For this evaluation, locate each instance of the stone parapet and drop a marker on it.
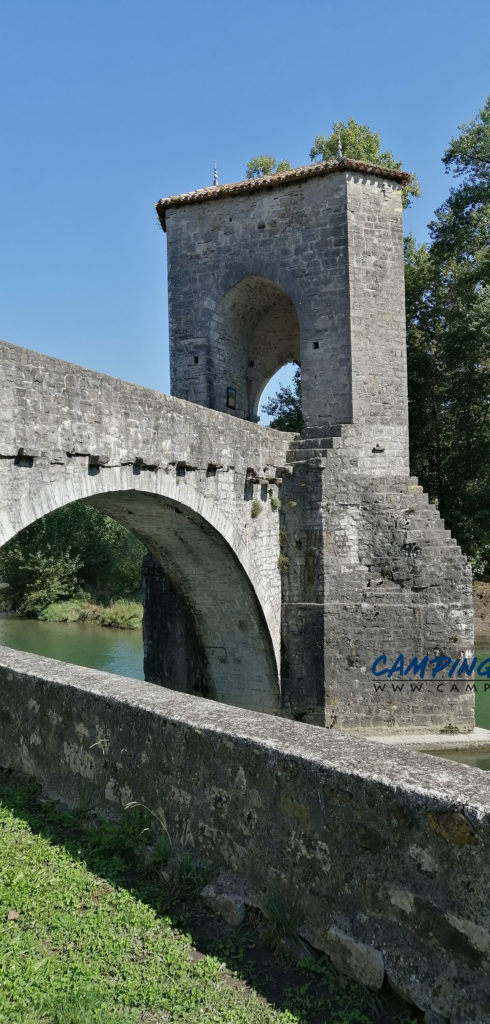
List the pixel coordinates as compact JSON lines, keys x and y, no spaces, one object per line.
{"x":387,"y":852}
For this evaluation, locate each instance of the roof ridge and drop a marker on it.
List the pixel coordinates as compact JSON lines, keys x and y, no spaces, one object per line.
{"x":201,"y":195}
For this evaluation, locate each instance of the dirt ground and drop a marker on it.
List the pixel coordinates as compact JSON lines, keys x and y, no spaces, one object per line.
{"x":481,"y":601}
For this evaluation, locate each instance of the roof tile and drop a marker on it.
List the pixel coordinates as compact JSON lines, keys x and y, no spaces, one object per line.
{"x":269,"y":181}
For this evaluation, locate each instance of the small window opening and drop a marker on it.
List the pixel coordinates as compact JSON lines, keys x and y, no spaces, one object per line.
{"x":231,"y":398}
{"x":316,"y":344}
{"x":196,"y":359}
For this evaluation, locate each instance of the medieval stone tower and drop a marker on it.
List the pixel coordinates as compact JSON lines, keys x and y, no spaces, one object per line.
{"x":308,"y":265}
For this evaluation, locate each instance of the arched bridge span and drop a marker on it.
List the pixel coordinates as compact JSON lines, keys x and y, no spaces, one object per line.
{"x":163,"y":468}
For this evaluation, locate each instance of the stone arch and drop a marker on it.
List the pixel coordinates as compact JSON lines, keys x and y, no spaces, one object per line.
{"x":205,"y":561}
{"x":256,"y":331}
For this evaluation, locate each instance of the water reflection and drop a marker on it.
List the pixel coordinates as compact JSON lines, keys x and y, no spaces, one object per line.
{"x":83,"y":643}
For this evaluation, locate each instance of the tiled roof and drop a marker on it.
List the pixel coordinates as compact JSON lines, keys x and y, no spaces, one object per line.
{"x":268,"y":181}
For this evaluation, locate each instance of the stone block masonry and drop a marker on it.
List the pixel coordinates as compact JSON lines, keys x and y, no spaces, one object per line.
{"x":387,"y":852}
{"x":306,"y":267}
{"x":181,"y":477}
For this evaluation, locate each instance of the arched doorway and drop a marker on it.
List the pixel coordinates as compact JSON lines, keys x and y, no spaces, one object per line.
{"x":257,"y":331}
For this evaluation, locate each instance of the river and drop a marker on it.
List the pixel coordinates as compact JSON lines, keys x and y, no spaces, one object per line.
{"x":83,"y":643}
{"x":121,"y":651}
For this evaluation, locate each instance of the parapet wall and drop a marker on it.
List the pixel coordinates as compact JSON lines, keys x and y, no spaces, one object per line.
{"x":385,"y":853}
{"x":53,"y":411}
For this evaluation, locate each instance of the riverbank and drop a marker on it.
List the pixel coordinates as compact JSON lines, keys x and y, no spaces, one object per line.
{"x":120,"y":614}
{"x":481,"y":604}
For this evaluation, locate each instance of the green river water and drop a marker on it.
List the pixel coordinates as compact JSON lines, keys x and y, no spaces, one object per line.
{"x":121,"y":651}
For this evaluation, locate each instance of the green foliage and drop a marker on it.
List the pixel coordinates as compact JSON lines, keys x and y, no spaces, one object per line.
{"x":281,"y":920}
{"x":76,"y":547}
{"x":275,"y":503}
{"x":283,"y":563}
{"x":259,"y":166}
{"x":360,"y":143}
{"x":256,"y":509}
{"x":448,"y":334}
{"x":122,"y":614}
{"x":38,"y":577}
{"x":285,"y":406}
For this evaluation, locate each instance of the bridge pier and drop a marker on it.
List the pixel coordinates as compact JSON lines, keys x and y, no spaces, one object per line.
{"x":172,"y":654}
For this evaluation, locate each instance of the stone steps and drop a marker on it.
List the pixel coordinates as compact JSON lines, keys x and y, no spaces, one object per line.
{"x":402,"y":496}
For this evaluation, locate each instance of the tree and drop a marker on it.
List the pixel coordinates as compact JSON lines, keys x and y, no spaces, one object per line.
{"x":259,"y":166}
{"x":448,"y":324}
{"x":360,"y":143}
{"x":285,"y":406}
{"x":76,"y":547}
{"x":38,"y":578}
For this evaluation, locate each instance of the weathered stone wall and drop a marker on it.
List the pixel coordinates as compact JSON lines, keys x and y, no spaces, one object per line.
{"x":295,"y":239}
{"x":387,"y":853}
{"x":370,"y":571}
{"x":181,"y":477}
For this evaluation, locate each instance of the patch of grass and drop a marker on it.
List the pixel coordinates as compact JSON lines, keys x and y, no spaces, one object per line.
{"x":281,"y":921}
{"x":275,"y":503}
{"x":84,"y":950}
{"x":283,"y":563}
{"x":256,"y":508}
{"x":98,"y":938}
{"x":122,"y":613}
{"x":73,"y":610}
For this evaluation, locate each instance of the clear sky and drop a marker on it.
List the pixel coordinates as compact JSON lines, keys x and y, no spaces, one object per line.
{"x":107,"y":105}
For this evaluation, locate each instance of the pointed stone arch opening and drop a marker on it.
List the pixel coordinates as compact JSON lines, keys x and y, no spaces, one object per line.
{"x":256,"y":332}
{"x":282,"y":379}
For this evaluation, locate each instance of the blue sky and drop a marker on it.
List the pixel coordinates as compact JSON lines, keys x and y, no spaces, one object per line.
{"x":107,"y":105}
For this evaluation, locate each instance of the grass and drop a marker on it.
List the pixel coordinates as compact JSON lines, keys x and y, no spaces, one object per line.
{"x":100,"y":933}
{"x":121,"y":614}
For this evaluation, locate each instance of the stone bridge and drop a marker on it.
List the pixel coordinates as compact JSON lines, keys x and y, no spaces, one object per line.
{"x":282,"y":565}
{"x":181,"y":477}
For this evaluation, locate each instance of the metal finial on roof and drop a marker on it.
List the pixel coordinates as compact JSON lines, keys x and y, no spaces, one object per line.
{"x":215,"y":175}
{"x":339,"y":148}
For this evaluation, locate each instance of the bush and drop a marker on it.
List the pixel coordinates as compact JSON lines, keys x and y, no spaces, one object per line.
{"x":122,"y":614}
